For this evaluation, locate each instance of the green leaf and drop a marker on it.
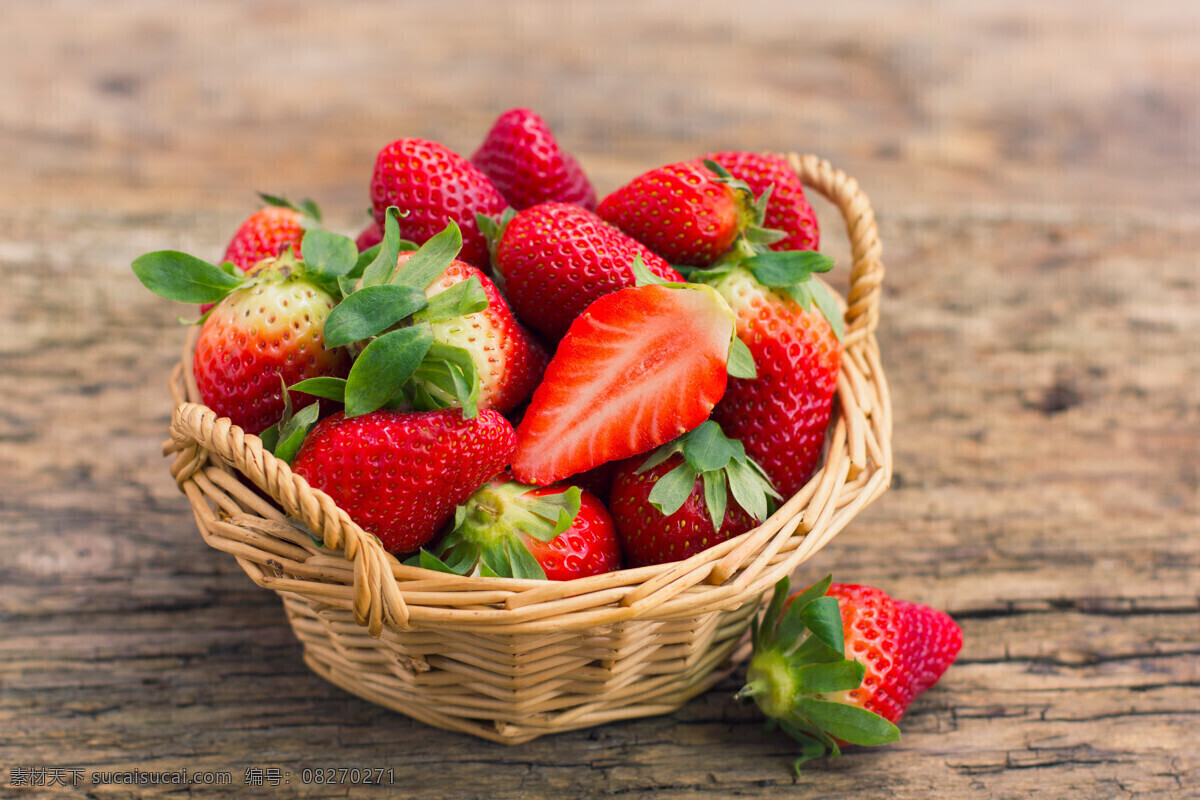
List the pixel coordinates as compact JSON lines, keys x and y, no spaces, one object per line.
{"x":450,"y":372}
{"x":523,"y":564}
{"x":327,"y":387}
{"x":369,"y":311}
{"x":749,"y":489}
{"x":716,"y":495}
{"x":848,"y":723}
{"x":786,"y":267}
{"x":790,"y":633}
{"x":671,"y":491}
{"x":292,"y":435}
{"x":463,"y":298}
{"x":270,"y":437}
{"x":707,"y":447}
{"x":643,"y":276}
{"x":549,"y":514}
{"x":427,"y":560}
{"x":802,"y":294}
{"x":431,"y":259}
{"x":179,"y":276}
{"x":660,"y":455}
{"x":838,"y":676}
{"x":492,"y":229}
{"x":380,"y":270}
{"x":818,"y":589}
{"x":829,"y":307}
{"x":328,"y":255}
{"x":824,"y":619}
{"x":383,"y":366}
{"x":307,"y":207}
{"x":740,"y":362}
{"x":771,"y":619}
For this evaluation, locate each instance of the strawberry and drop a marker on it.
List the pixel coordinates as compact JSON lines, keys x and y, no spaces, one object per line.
{"x":434,"y":185}
{"x":510,"y":529}
{"x":554,"y":259}
{"x":268,"y":232}
{"x":264,"y":327}
{"x":792,"y":328}
{"x":522,"y":158}
{"x":685,"y":212}
{"x":687,"y":496}
{"x":400,"y":475}
{"x":437,"y":332}
{"x":510,"y":362}
{"x":635,"y":369}
{"x":788,"y":210}
{"x":851,"y":678}
{"x":270,"y":328}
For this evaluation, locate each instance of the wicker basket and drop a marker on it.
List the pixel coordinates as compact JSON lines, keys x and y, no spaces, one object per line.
{"x":509,"y":660}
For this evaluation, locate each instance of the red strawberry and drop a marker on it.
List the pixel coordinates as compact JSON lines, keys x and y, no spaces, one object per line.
{"x":265,"y":234}
{"x":434,"y":185}
{"x":683,"y":212}
{"x":933,"y":642}
{"x":686,"y":497}
{"x":273,"y":325}
{"x":509,"y":361}
{"x":781,"y":415}
{"x":788,"y":209}
{"x":555,"y":259}
{"x":400,"y":475}
{"x":853,"y":676}
{"x":524,"y":161}
{"x":513,"y":530}
{"x":636,"y":368}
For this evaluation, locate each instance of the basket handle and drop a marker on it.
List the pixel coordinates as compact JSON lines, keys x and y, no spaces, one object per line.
{"x":866,"y":272}
{"x":197,"y":431}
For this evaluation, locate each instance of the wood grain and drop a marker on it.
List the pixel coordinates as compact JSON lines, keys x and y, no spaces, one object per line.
{"x":1035,"y":173}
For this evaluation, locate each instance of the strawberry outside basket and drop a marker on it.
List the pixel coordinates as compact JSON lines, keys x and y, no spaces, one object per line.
{"x":510,"y":660}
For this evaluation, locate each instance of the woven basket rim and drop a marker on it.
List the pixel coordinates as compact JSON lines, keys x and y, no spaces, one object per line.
{"x":354,"y":571}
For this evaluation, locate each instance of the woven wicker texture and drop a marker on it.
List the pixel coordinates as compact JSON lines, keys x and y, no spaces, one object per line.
{"x":509,"y":660}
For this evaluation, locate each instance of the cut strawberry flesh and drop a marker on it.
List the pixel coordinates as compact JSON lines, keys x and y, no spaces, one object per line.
{"x":637,"y":368}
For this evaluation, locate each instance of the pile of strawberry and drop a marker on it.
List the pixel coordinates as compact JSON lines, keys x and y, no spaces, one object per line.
{"x":516,"y":380}
{"x":501,"y":376}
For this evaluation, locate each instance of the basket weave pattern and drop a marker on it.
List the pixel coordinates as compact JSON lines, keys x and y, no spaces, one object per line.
{"x":509,"y":660}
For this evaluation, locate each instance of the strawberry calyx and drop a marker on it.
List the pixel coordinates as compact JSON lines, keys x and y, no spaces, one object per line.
{"x":386,"y":314}
{"x":722,"y":466}
{"x":492,"y":228}
{"x":798,"y":659}
{"x":486,"y":537}
{"x":752,"y":211}
{"x":283,"y":439}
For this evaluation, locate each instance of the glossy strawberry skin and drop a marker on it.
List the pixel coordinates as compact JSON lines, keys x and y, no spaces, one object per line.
{"x":788,"y":209}
{"x":650,"y":537}
{"x":524,"y":161}
{"x":637,"y":368}
{"x":273,"y":326}
{"x":509,"y":360}
{"x":399,"y":474}
{"x":434,"y":185}
{"x":556,"y":258}
{"x":264,"y":234}
{"x":679,"y":211}
{"x":589,"y":547}
{"x":781,"y":415}
{"x":874,"y":634}
{"x":933,"y":641}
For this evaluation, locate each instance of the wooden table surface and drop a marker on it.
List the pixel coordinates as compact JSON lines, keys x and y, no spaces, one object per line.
{"x":1035,"y":168}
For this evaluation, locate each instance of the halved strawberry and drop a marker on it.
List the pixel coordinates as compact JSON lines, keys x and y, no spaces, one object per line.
{"x":637,"y":368}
